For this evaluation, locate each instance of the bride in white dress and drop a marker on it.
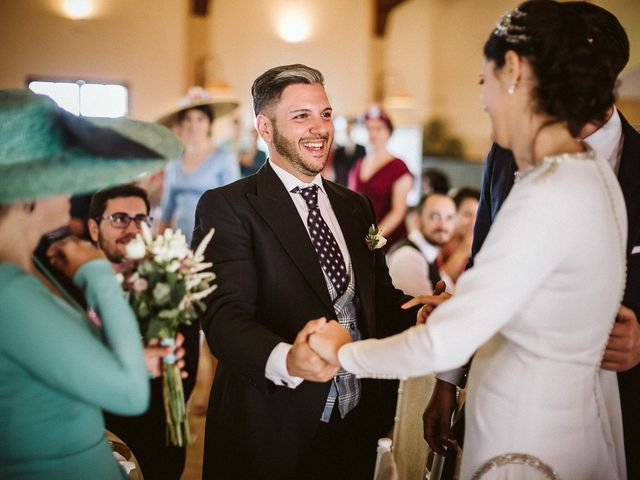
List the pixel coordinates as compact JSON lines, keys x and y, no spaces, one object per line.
{"x":542,"y":296}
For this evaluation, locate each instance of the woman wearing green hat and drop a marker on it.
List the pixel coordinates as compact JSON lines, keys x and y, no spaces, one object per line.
{"x":59,"y":369}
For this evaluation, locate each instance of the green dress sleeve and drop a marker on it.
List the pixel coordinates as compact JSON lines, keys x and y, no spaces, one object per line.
{"x":59,"y":346}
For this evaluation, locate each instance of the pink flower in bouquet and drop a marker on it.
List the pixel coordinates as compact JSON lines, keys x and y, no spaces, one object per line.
{"x":140,"y":285}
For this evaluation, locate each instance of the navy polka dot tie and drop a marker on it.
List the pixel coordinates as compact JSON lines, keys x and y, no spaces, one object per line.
{"x":329,"y":254}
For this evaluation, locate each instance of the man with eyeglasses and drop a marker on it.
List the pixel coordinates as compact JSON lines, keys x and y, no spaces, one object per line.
{"x":413,"y":263}
{"x":115,"y":216}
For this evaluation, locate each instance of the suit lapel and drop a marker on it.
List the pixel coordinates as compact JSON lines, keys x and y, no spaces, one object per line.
{"x":354,"y":229}
{"x":629,"y":178}
{"x":273,"y":203}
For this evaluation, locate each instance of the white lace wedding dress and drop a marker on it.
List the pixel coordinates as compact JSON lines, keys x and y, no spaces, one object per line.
{"x":537,"y":306}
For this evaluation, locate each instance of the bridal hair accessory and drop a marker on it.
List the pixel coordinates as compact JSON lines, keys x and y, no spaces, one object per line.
{"x":374,"y":238}
{"x":506,"y":28}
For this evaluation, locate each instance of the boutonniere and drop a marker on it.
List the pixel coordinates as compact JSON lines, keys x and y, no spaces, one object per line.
{"x":374,"y":238}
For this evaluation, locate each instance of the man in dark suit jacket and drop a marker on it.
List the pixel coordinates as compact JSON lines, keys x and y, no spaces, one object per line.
{"x":263,"y":421}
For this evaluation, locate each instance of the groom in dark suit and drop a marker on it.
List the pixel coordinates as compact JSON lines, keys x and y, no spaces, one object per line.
{"x":290,"y":247}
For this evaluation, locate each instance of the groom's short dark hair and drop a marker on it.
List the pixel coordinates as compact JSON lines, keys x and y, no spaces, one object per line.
{"x":268,"y":87}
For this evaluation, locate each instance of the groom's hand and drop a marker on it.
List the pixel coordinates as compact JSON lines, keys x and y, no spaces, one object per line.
{"x":304,"y":362}
{"x":328,"y":340}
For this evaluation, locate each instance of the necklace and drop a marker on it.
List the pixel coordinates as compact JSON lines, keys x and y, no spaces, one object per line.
{"x":551,"y":162}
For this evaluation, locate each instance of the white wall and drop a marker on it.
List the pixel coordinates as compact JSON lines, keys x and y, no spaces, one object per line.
{"x":245,"y":43}
{"x":140,"y":42}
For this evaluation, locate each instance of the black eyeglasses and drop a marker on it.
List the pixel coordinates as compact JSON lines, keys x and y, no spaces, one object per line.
{"x":122,"y":220}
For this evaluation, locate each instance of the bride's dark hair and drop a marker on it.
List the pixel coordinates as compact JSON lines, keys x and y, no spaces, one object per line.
{"x":576,"y":51}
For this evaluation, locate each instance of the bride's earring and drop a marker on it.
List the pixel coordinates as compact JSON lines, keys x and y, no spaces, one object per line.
{"x":511,"y":88}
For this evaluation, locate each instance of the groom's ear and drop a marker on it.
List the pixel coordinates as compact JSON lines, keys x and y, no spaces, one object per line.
{"x":264,"y":127}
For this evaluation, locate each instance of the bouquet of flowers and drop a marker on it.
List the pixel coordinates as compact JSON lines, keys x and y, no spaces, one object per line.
{"x":166,"y":283}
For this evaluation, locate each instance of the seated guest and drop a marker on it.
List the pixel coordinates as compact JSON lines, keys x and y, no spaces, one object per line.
{"x":59,"y":369}
{"x":436,"y":181}
{"x":413,"y":264}
{"x":455,"y":254}
{"x":115,"y":215}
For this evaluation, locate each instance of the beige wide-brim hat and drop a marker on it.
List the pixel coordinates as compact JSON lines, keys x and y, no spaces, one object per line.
{"x":198,"y":97}
{"x":47,"y":151}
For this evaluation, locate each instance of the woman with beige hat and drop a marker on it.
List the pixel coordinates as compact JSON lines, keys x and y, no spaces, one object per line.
{"x":59,"y":369}
{"x":202,"y":166}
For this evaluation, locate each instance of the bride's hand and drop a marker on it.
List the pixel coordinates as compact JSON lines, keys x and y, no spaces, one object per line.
{"x":327,"y":341}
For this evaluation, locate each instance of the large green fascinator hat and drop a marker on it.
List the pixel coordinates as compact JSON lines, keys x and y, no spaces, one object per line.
{"x":46,"y":151}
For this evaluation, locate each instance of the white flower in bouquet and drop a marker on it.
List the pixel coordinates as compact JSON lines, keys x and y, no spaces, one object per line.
{"x":161,"y":293}
{"x":170,"y":246}
{"x":136,"y":249}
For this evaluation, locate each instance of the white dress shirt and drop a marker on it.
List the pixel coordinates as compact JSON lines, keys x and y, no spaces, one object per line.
{"x":607,"y":141}
{"x":276,"y":368}
{"x":409,"y":268}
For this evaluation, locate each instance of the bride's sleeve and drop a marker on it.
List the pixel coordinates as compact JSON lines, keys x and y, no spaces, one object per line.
{"x":530,"y":237}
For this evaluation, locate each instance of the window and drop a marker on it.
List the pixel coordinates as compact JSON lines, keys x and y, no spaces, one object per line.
{"x":88,"y":99}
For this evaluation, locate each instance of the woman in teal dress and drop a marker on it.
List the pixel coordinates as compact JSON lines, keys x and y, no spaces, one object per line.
{"x":58,"y":368}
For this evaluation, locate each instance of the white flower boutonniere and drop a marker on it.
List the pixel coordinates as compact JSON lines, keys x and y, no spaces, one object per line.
{"x":374,"y":238}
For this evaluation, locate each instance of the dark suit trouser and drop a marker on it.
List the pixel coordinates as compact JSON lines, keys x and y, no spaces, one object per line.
{"x":629,"y":397}
{"x":343,"y":449}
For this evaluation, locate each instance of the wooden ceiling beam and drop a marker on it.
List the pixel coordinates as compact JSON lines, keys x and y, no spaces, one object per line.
{"x":200,"y":8}
{"x":382,"y":10}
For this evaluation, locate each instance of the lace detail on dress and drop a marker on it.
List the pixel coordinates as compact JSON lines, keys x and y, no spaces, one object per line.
{"x":515,"y":459}
{"x":550,"y":164}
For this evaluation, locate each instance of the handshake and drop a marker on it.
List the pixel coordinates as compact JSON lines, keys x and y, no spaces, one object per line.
{"x":314,"y":354}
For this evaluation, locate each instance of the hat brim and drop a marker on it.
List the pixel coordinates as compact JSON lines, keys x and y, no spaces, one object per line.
{"x":99,"y":153}
{"x":220,"y":107}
